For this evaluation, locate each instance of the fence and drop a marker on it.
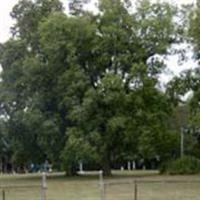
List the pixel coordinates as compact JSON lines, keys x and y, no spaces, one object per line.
{"x":23,"y":191}
{"x":150,"y":189}
{"x":84,"y":188}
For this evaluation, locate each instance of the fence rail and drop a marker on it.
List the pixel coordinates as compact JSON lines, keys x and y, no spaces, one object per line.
{"x":148,"y":181}
{"x":7,"y":187}
{"x":38,"y":189}
{"x":149,"y":189}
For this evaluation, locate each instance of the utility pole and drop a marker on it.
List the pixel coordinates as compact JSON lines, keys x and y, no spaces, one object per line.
{"x":182,"y":142}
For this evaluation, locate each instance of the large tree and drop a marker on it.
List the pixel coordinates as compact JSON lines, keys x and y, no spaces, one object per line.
{"x":88,"y":82}
{"x":124,"y":113}
{"x":20,"y":55}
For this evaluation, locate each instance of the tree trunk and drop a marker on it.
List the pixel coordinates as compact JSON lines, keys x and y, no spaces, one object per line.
{"x":106,"y":166}
{"x":71,"y":171}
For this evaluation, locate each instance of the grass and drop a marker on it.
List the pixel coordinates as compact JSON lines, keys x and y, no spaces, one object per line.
{"x":151,"y":186}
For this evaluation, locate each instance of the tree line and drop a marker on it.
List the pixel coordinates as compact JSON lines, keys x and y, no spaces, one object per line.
{"x":85,"y":86}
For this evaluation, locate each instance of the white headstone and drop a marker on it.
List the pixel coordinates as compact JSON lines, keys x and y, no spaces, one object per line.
{"x":129,"y":165}
{"x":133,"y":165}
{"x":81,"y":167}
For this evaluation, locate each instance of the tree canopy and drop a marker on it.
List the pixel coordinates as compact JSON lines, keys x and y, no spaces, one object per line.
{"x":85,"y":86}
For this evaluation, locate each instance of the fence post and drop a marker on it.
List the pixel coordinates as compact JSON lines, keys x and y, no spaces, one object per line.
{"x":44,"y":186}
{"x":3,"y":195}
{"x":135,"y":191}
{"x":102,"y":186}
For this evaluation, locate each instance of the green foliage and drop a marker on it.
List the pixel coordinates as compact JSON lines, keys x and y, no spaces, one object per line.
{"x":188,"y":81}
{"x":185,"y":165}
{"x":89,"y":83}
{"x":28,"y":15}
{"x":76,"y":6}
{"x":77,"y":149}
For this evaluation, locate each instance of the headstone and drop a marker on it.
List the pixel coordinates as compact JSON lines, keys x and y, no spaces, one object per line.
{"x":81,"y":167}
{"x":133,"y":165}
{"x":129,"y":165}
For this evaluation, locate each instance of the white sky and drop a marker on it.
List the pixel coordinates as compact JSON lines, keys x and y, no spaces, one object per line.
{"x":172,"y":63}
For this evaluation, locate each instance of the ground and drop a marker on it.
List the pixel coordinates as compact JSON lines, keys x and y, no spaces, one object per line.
{"x":151,"y":186}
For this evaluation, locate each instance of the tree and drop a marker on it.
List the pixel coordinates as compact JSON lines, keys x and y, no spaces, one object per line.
{"x":19,"y":56}
{"x":188,"y":82}
{"x":89,"y":82}
{"x":76,"y":6}
{"x":28,"y":15}
{"x":124,"y":79}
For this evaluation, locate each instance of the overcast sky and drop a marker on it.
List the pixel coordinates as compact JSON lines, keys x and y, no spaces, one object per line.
{"x":6,"y":22}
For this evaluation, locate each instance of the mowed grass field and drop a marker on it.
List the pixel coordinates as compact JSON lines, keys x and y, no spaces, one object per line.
{"x":151,"y":186}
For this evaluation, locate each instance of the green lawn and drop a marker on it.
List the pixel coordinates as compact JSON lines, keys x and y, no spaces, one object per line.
{"x":151,"y":186}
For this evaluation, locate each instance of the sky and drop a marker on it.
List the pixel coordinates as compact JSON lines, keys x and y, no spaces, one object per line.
{"x":174,"y":68}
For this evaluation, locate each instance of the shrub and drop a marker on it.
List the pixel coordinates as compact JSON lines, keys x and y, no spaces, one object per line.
{"x":185,"y":165}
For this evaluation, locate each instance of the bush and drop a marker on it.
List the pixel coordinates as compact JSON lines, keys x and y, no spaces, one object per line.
{"x":185,"y":165}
